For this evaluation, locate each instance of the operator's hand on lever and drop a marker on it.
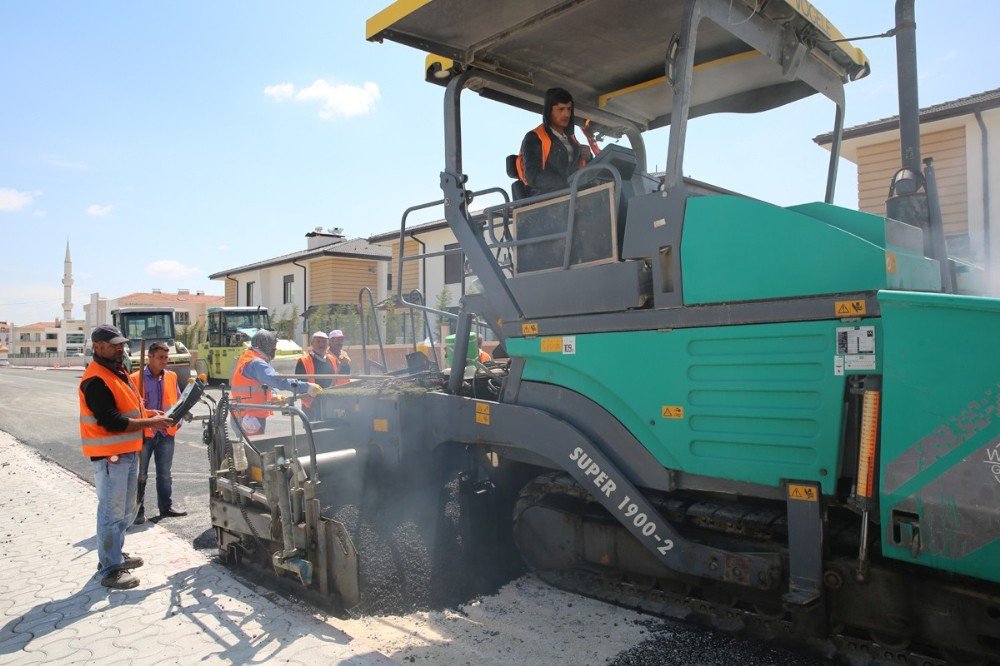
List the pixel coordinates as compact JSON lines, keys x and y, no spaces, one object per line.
{"x":314,"y":390}
{"x":279,"y":400}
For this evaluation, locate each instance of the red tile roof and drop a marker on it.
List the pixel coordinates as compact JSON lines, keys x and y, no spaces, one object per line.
{"x":170,"y":299}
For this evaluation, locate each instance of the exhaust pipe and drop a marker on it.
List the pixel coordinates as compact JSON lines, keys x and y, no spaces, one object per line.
{"x":913,"y":195}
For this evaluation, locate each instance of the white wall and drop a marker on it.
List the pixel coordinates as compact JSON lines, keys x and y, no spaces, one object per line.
{"x":974,"y":156}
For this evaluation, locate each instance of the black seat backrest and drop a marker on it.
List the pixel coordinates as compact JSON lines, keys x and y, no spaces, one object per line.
{"x":512,"y":166}
{"x":518,"y":190}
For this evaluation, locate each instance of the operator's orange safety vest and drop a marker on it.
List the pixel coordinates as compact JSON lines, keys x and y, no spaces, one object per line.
{"x":96,"y":440}
{"x":546,"y":140}
{"x":310,"y":367}
{"x":245,"y":389}
{"x":169,"y":397}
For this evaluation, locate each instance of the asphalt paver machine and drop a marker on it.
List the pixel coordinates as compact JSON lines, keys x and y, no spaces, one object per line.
{"x":775,"y":420}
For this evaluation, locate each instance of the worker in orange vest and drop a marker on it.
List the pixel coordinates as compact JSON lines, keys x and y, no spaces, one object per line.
{"x":161,"y":393}
{"x":112,"y":420}
{"x":343,"y":366}
{"x":550,"y":153}
{"x":318,"y":361}
{"x":254,"y":379}
{"x":484,"y":356}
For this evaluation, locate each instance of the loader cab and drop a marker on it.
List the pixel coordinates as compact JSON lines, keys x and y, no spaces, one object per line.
{"x":233,"y":326}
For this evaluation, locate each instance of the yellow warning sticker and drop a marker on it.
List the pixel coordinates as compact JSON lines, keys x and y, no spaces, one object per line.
{"x":529,"y":329}
{"x":850,"y":308}
{"x":483,"y":419}
{"x":380,"y":425}
{"x":552,"y":345}
{"x":482,"y":408}
{"x":672,"y":412}
{"x":798,"y":491}
{"x":890,"y":263}
{"x":256,"y":473}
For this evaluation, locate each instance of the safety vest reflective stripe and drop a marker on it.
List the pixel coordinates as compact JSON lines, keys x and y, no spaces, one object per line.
{"x":135,"y":413}
{"x":96,"y":440}
{"x":111,"y":439}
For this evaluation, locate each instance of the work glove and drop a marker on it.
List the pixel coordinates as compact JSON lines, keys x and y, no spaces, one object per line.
{"x":314,"y":390}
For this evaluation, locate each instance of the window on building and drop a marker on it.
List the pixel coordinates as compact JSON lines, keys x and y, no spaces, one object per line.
{"x":52,"y":350}
{"x":454,"y":265}
{"x":250,"y":286}
{"x":51,"y":336}
{"x":74,"y":338}
{"x":388,"y":282}
{"x":182,"y":318}
{"x":288,"y":289}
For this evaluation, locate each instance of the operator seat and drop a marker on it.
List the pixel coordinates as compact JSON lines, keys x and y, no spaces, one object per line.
{"x":518,"y":190}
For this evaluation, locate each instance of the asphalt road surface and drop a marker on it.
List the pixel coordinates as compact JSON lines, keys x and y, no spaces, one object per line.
{"x":41,"y":408}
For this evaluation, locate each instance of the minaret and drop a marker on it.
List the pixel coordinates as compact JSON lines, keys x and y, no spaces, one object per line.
{"x":67,"y":286}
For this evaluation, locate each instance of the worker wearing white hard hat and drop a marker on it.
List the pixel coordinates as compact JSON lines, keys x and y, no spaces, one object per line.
{"x":337,"y":351}
{"x":313,"y":364}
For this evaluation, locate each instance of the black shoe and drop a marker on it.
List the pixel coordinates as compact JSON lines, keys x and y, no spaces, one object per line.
{"x":172,"y":513}
{"x":119,"y":579}
{"x":140,"y":519}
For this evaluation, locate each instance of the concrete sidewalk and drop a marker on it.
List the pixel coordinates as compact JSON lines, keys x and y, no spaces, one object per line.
{"x":186,"y":609}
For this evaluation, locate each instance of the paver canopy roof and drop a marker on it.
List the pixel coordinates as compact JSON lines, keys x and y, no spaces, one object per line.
{"x":610,"y":53}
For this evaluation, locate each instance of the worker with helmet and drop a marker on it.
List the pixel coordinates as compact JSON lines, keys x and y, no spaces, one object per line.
{"x":343,"y":361}
{"x":317,"y":361}
{"x":254,"y":379}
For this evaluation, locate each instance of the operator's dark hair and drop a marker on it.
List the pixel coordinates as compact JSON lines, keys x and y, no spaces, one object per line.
{"x":158,"y":346}
{"x":555,"y":96}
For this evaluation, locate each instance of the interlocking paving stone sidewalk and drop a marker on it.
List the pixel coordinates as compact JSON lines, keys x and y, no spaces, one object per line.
{"x":187,"y":609}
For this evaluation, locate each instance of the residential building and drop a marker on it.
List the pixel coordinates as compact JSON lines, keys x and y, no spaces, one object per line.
{"x":331,"y":271}
{"x":963,"y":138}
{"x":189,"y":309}
{"x":438,"y":278}
{"x":60,"y":338}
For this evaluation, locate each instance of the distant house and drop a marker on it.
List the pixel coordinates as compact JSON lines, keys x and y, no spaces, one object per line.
{"x":329,"y":272}
{"x":435,"y":277}
{"x":963,"y":137}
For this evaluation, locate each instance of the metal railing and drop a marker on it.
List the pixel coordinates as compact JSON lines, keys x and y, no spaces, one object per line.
{"x":573,"y":190}
{"x":364,"y":330}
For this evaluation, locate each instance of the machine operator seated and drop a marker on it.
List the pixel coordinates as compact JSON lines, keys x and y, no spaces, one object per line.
{"x":550,"y":153}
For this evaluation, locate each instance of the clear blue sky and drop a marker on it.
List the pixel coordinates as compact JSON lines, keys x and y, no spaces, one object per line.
{"x":168,"y":141}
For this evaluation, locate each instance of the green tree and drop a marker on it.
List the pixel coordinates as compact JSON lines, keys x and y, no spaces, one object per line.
{"x":393,"y":324}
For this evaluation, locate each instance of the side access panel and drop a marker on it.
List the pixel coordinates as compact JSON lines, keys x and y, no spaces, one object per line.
{"x":940,"y":447}
{"x":760,"y":403}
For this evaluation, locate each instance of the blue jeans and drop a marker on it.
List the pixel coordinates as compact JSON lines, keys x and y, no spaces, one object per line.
{"x":160,"y":449}
{"x":116,"y":491}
